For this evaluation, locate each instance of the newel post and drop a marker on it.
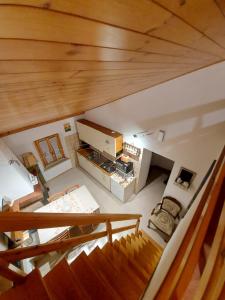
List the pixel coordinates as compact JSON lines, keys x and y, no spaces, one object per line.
{"x":137,"y":226}
{"x":109,"y":231}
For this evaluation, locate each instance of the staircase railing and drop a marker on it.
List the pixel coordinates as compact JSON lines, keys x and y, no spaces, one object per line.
{"x":187,"y":258}
{"x":16,"y":221}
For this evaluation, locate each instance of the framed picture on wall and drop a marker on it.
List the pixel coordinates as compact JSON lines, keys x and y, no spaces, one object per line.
{"x":67,"y":127}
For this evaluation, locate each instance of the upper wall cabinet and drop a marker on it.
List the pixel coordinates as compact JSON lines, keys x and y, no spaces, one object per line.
{"x":101,"y":138}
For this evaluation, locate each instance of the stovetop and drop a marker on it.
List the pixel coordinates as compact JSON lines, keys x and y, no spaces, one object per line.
{"x":108,"y":166}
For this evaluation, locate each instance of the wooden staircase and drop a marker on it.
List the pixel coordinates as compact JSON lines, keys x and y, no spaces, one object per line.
{"x":120,"y":270}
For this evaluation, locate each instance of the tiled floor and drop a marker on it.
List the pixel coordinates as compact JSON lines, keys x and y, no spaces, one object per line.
{"x":142,"y":203}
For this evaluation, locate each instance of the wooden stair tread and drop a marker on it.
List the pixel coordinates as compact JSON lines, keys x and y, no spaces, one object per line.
{"x":141,"y":272}
{"x":120,"y":262}
{"x":62,"y":285}
{"x":95,"y":285}
{"x":154,"y":254}
{"x":145,"y":247}
{"x":32,"y":288}
{"x":148,"y":250}
{"x":120,"y":270}
{"x":142,"y":256}
{"x":153,"y":242}
{"x":134,"y":250}
{"x":118,"y":279}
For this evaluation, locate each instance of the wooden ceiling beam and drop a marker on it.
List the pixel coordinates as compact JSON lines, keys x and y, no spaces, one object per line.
{"x":19,"y":66}
{"x":144,"y":16}
{"x":47,"y":25}
{"x":16,"y":49}
{"x":206,"y":16}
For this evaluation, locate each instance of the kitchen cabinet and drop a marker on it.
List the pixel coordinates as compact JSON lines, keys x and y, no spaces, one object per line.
{"x":120,"y":191}
{"x":95,"y":171}
{"x":101,"y":138}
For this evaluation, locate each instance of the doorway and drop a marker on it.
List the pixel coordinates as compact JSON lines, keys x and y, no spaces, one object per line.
{"x":160,"y":169}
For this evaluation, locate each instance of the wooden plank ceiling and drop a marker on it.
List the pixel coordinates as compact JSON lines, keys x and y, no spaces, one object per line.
{"x":60,"y":58}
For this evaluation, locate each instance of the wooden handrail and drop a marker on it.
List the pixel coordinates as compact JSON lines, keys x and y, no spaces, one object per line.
{"x":201,"y":231}
{"x":181,"y":270}
{"x":213,"y":277}
{"x":16,"y":221}
{"x":22,"y":253}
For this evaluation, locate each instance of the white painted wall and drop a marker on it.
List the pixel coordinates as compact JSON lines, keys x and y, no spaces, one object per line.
{"x":144,"y":166}
{"x":23,"y":142}
{"x":14,"y":179}
{"x":161,"y":161}
{"x":191,"y":109}
{"x":170,"y":251}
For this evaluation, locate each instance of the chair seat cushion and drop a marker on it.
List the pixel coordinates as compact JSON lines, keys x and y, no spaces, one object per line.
{"x":163,"y":221}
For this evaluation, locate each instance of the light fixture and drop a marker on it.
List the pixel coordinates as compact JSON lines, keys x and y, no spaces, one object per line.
{"x":9,"y":162}
{"x":161,"y":135}
{"x":143,"y":133}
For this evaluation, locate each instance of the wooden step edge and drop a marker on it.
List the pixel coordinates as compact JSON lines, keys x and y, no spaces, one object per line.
{"x":33,"y":284}
{"x":159,"y":247}
{"x":128,"y":238}
{"x":154,"y":252}
{"x":127,"y":245}
{"x":146,"y":257}
{"x":122,"y":240}
{"x":124,"y":265}
{"x":138,"y":268}
{"x":106,"y":271}
{"x":129,"y":269}
{"x":106,"y":285}
{"x":117,"y":278}
{"x":139,"y":242}
{"x":145,"y":262}
{"x":62,"y":283}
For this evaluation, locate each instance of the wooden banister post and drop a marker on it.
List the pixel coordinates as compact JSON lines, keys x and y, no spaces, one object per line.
{"x":137,"y":226}
{"x":109,"y":231}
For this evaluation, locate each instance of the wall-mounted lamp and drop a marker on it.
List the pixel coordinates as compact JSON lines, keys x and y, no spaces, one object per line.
{"x":143,"y":133}
{"x":9,"y":162}
{"x":161,"y":135}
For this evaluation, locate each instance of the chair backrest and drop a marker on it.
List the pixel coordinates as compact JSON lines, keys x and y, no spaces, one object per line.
{"x":171,"y":205}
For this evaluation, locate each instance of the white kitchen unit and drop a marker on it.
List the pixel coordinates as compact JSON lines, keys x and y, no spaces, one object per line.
{"x":122,"y":191}
{"x":94,"y":171}
{"x":101,"y":138}
{"x":143,"y":169}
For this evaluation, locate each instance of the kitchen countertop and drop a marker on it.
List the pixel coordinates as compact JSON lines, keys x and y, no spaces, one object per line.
{"x":124,"y":183}
{"x":87,"y":151}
